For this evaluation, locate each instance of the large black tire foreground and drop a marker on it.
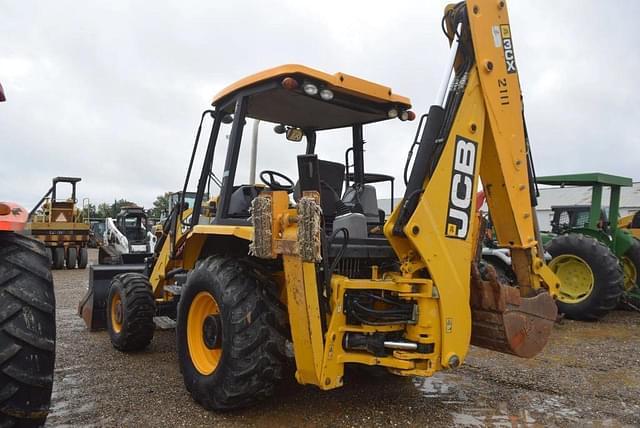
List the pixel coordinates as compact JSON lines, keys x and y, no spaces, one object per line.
{"x":130,"y":311}
{"x":242,"y":343}
{"x":58,"y":257}
{"x":72,"y":257}
{"x":607,"y":274}
{"x":83,"y":258}
{"x":27,"y":331}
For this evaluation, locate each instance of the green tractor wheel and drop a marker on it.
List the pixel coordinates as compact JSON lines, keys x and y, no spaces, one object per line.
{"x":591,"y":278}
{"x":630,"y":273}
{"x":631,"y":267}
{"x":575,"y":276}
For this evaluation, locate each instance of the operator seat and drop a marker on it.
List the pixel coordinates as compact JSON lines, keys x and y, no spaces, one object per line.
{"x":331,"y":183}
{"x":365,"y":200}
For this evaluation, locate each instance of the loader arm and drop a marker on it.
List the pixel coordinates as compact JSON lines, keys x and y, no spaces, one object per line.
{"x":478,"y":133}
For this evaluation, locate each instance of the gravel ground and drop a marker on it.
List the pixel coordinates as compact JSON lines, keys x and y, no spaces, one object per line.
{"x":589,"y":375}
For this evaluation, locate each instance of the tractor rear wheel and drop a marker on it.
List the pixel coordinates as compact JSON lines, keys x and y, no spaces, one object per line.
{"x":591,"y":278}
{"x":72,"y":257}
{"x":27,"y":331}
{"x":231,"y":334}
{"x":631,"y":265}
{"x":58,"y":257}
{"x":83,"y":258}
{"x":130,"y":311}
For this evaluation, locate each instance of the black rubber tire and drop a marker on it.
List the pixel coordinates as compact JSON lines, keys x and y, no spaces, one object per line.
{"x":253,"y":343}
{"x":607,"y":273}
{"x":138,"y":310}
{"x":58,"y":257}
{"x":72,"y":257}
{"x":27,"y":331}
{"x":633,"y":254}
{"x":83,"y":258}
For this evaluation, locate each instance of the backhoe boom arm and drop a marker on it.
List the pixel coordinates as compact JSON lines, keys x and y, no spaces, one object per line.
{"x":477,"y":135}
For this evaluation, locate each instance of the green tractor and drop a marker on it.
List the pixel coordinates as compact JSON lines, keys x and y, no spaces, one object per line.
{"x":596,"y":261}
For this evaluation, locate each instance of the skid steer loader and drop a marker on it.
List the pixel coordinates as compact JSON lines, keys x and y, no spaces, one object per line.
{"x":27,"y":322}
{"x":305,"y":267}
{"x":127,"y":239}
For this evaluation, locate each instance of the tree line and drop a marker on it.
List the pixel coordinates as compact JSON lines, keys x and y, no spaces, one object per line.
{"x":105,"y":209}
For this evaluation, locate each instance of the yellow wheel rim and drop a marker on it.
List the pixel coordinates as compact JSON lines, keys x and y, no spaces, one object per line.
{"x":630,"y":274}
{"x":576,"y":278}
{"x":204,"y":333}
{"x":116,"y":312}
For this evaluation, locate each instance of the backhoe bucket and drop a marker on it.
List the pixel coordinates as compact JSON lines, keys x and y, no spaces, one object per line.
{"x":504,"y":321}
{"x":93,"y":306}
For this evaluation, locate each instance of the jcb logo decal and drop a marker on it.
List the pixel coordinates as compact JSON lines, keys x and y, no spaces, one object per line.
{"x":507,"y":47}
{"x":462,"y":188}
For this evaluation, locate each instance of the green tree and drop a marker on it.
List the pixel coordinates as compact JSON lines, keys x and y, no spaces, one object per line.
{"x":89,"y":211}
{"x":160,"y":205}
{"x":117,"y":205}
{"x":103,"y":210}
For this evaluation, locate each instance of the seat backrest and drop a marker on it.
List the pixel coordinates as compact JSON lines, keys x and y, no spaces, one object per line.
{"x":325,"y":176}
{"x":367,"y":198}
{"x":331,"y":183}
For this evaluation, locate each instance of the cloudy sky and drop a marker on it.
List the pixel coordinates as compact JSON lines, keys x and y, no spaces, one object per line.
{"x":111,"y":91}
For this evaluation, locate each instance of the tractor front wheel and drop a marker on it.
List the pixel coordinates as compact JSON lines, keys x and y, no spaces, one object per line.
{"x":27,"y":331}
{"x":591,"y":278}
{"x":130,"y":311}
{"x":231,"y":334}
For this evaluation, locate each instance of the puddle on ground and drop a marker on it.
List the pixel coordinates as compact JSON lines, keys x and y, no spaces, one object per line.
{"x":69,"y":401}
{"x":471,"y":408}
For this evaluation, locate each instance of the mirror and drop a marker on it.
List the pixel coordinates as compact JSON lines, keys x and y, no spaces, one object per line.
{"x":295,"y":134}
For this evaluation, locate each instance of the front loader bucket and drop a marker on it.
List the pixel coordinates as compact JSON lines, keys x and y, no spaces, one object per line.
{"x":504,"y":321}
{"x":93,"y":306}
{"x":135,"y":258}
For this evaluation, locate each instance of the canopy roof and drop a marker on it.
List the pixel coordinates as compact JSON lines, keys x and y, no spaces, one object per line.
{"x":354,"y":100}
{"x":585,"y":179}
{"x":66,"y":179}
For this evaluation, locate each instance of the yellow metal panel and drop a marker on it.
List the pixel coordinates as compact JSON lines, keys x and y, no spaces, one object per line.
{"x":504,"y":169}
{"x":242,"y":232}
{"x":58,"y":226}
{"x":304,"y":318}
{"x":442,"y":248}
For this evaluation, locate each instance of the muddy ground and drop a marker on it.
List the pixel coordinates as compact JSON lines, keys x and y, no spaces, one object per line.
{"x":589,"y":375}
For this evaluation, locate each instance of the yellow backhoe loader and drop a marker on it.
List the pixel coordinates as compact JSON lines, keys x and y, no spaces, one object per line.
{"x":310,"y":269}
{"x":632,"y":223}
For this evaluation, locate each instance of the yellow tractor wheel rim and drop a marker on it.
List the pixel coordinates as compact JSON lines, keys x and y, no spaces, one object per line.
{"x":630,"y":274}
{"x":116,"y":313}
{"x":576,"y":278}
{"x":204,"y":333}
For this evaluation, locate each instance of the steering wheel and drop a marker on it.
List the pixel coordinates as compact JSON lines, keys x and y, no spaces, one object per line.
{"x":268,"y":177}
